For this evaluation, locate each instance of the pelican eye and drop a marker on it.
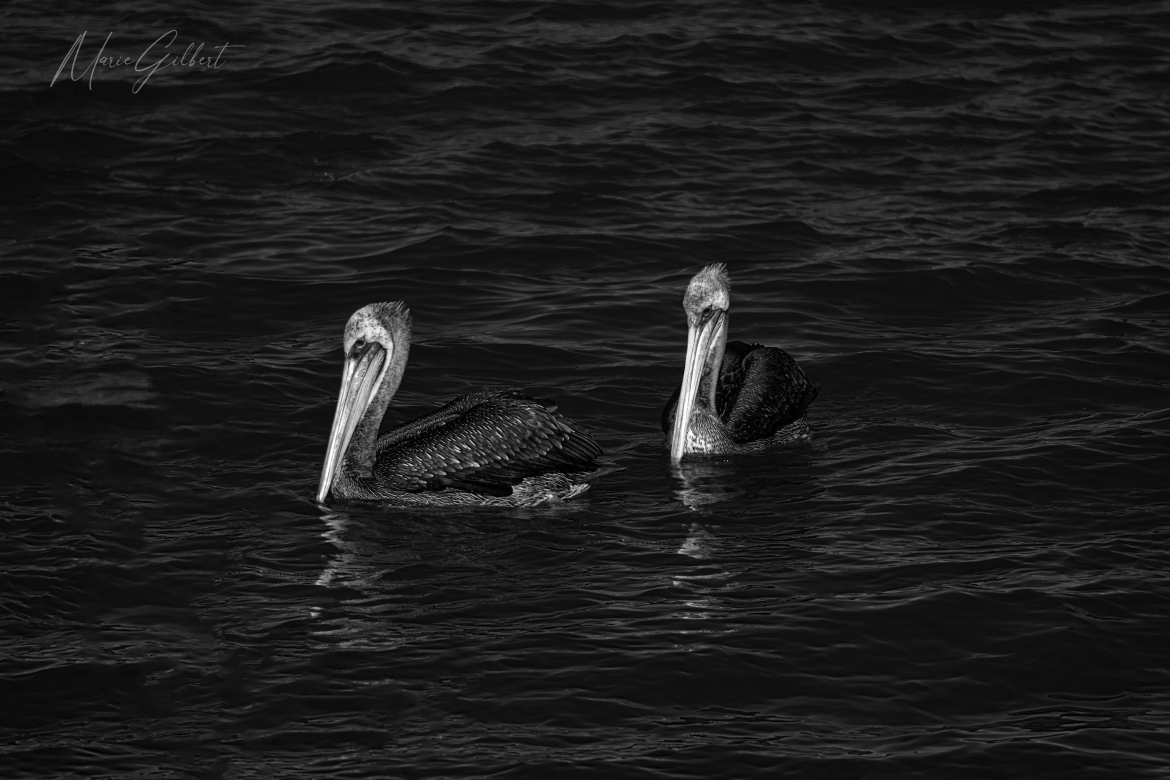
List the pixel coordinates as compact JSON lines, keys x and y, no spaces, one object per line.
{"x":358,"y":347}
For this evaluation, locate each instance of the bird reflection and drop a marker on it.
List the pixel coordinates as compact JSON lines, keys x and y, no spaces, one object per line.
{"x":346,"y":559}
{"x":704,"y":482}
{"x":698,"y":542}
{"x":700,"y":587}
{"x":356,"y":573}
{"x":384,"y":570}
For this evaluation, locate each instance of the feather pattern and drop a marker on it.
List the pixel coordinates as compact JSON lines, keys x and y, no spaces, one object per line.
{"x":483,"y":442}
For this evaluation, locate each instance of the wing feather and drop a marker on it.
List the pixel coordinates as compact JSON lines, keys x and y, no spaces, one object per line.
{"x":482,"y":442}
{"x":761,"y":390}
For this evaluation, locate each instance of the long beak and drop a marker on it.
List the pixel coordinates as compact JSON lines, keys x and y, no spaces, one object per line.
{"x":699,"y":342}
{"x":359,"y":383}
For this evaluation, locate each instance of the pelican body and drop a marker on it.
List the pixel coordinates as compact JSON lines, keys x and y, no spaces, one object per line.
{"x":494,"y":447}
{"x":734,"y":397}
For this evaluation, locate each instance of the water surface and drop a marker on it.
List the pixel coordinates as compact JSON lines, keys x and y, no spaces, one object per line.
{"x":953,"y":215}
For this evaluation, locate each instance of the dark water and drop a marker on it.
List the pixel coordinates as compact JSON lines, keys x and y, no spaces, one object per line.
{"x":955,"y":215}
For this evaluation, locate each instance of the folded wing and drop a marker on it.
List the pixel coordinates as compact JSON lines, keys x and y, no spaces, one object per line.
{"x":483,"y":442}
{"x":761,"y":389}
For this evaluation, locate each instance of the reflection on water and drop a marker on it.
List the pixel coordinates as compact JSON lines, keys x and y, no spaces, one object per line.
{"x":698,"y":542}
{"x":365,"y":617}
{"x":705,"y":481}
{"x":345,"y":559}
{"x":700,"y":588}
{"x":782,"y":476}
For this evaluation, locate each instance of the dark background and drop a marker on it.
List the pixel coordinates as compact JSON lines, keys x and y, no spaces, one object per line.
{"x":954,"y":215}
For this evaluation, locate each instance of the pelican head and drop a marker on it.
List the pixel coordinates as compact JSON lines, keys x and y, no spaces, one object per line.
{"x":706,"y":302}
{"x":376,"y":342}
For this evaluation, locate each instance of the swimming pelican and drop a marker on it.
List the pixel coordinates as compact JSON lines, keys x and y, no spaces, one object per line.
{"x":735,"y":397}
{"x":494,"y":447}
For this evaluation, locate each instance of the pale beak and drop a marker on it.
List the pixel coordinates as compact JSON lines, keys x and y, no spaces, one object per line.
{"x":700,"y":339}
{"x":359,"y":383}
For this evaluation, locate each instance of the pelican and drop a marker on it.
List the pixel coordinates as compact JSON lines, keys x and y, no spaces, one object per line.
{"x":493,"y":447}
{"x":735,"y":397}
